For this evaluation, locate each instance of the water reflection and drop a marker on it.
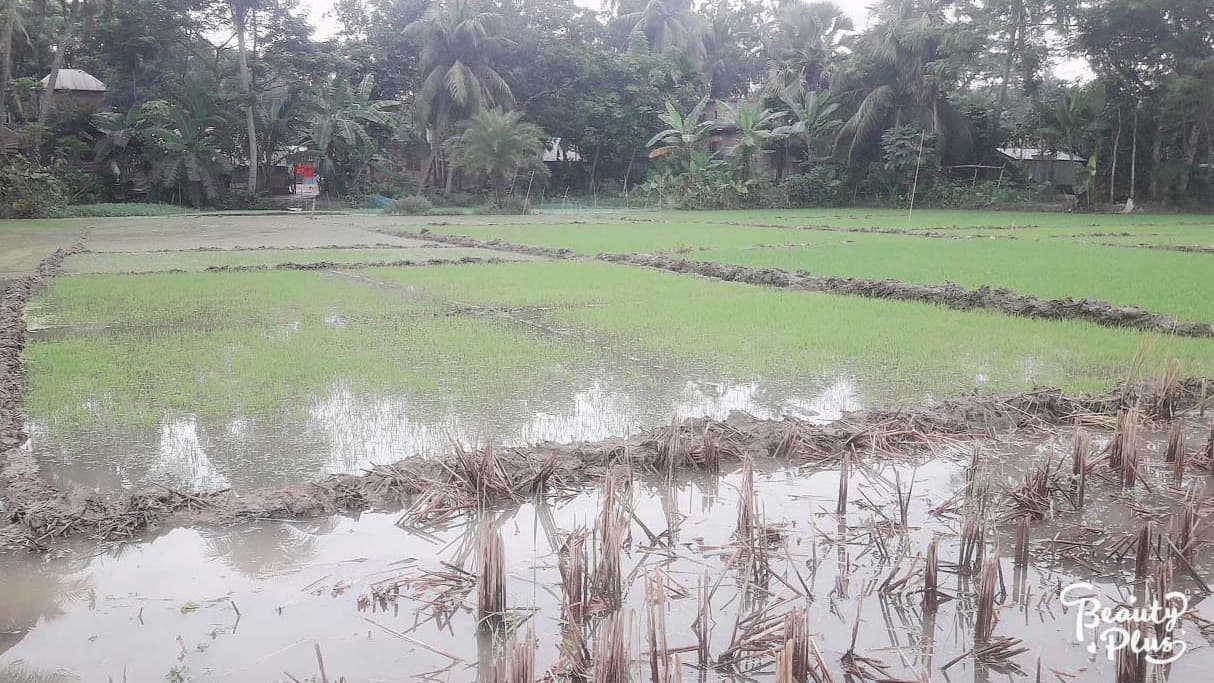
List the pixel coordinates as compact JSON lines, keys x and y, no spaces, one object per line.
{"x":348,"y":430}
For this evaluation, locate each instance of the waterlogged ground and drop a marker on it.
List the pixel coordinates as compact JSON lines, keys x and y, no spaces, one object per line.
{"x":207,"y":381}
{"x":254,"y":603}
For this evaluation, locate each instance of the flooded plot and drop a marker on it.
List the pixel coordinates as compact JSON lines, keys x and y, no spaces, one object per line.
{"x":139,"y":262}
{"x":715,"y":578}
{"x":215,"y":380}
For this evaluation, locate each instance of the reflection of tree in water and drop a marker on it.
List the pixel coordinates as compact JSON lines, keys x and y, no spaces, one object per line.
{"x":31,"y":593}
{"x":260,"y":549}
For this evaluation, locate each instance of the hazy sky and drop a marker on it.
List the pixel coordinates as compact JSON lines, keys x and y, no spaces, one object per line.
{"x":856,"y":9}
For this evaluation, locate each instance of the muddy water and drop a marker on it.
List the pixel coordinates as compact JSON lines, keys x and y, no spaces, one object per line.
{"x":345,"y":431}
{"x":252,"y":603}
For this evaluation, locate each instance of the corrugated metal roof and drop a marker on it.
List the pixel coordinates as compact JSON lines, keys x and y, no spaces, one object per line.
{"x":75,"y":79}
{"x":1038,"y":154}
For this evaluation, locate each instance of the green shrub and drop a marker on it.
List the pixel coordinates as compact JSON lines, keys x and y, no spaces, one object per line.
{"x":412,"y":205}
{"x":110,"y":210}
{"x":819,"y":186}
{"x":29,"y":189}
{"x":965,"y":194}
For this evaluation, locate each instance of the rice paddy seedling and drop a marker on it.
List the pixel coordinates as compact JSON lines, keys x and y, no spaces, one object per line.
{"x":491,"y":576}
{"x":612,"y":661}
{"x":1175,"y":449}
{"x":988,"y":578}
{"x":973,"y":538}
{"x":607,"y":585}
{"x":1165,"y":397}
{"x":1022,"y":542}
{"x":931,"y":577}
{"x":1079,"y":466}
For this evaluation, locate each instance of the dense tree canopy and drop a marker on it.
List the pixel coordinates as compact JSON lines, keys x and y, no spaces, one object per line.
{"x":212,"y":101}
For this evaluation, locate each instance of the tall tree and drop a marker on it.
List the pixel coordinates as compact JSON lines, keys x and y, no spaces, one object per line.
{"x":500,"y":145}
{"x":70,"y":13}
{"x":10,"y":14}
{"x":240,"y":11}
{"x":459,"y":46}
{"x":804,"y":44}
{"x":666,"y":24}
{"x":909,"y":59}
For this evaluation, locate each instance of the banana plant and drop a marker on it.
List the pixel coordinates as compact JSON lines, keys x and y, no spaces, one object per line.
{"x":685,"y":132}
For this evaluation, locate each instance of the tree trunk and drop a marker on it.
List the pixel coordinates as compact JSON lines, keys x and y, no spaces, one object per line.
{"x":246,"y":85}
{"x":6,"y":53}
{"x":1113,"y":168}
{"x":1134,"y":153}
{"x":1190,"y":155}
{"x":1156,"y":156}
{"x":48,"y":94}
{"x":1013,"y":49}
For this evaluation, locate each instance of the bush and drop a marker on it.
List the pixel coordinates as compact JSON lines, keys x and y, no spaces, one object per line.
{"x":820,"y":186}
{"x":412,"y":205}
{"x":965,"y":194}
{"x":110,"y":210}
{"x":28,"y":189}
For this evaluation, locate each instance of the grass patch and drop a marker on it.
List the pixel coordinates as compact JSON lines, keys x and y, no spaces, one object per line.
{"x":260,"y":343}
{"x":1167,"y":282}
{"x":118,"y":210}
{"x":895,"y":349}
{"x":136,"y":262}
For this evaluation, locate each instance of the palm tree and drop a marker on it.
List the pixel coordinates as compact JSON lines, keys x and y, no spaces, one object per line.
{"x":813,"y":116}
{"x":754,"y":134}
{"x":728,"y":62}
{"x":186,"y":149}
{"x":685,"y":133}
{"x":804,"y":44}
{"x":666,"y":24}
{"x":498,"y":144}
{"x":338,"y":127}
{"x":902,"y":85}
{"x":459,"y":79}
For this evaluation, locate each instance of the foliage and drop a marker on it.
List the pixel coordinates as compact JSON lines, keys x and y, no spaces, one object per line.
{"x":819,"y":186}
{"x":115,"y":210}
{"x":339,"y":128}
{"x":412,"y":205}
{"x":29,"y":189}
{"x":985,"y":194}
{"x":500,"y":146}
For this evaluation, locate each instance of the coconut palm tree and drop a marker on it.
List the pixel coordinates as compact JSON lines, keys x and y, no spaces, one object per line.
{"x":803,"y":45}
{"x":459,"y":43}
{"x":902,"y":84}
{"x":338,"y":128}
{"x":499,"y":145}
{"x":666,"y":24}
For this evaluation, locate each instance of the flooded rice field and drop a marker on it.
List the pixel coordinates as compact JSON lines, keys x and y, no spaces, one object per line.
{"x":759,"y":573}
{"x":349,"y":431}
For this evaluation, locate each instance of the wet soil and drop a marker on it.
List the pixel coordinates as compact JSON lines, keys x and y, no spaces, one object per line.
{"x":948,"y":295}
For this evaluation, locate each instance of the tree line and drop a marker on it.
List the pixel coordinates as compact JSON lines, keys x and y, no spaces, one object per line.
{"x":716,"y":103}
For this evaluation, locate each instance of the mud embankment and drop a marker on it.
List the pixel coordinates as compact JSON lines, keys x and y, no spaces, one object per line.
{"x":949,"y":295}
{"x":435,"y":488}
{"x":500,"y":245}
{"x":934,"y":234}
{"x":21,"y":484}
{"x":345,"y":265}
